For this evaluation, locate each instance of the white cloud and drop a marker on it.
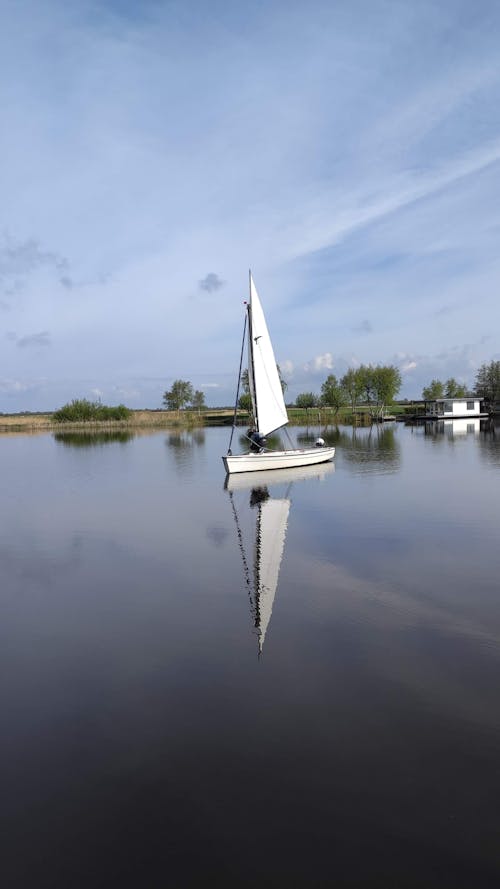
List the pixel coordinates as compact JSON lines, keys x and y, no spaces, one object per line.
{"x":12,"y":386}
{"x":129,"y":392}
{"x":287,"y":367}
{"x":319,"y":363}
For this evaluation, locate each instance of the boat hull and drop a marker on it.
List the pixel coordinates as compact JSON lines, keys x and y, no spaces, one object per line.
{"x":277,"y":459}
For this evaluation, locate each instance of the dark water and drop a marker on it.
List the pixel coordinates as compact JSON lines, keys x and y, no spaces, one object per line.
{"x":145,"y":742}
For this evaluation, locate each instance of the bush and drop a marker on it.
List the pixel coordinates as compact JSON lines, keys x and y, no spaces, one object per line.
{"x":84,"y":411}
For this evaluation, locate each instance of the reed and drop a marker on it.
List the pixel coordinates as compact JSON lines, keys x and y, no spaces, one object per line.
{"x":136,"y":419}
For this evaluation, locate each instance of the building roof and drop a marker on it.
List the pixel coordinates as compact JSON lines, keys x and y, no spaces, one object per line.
{"x":460,"y":398}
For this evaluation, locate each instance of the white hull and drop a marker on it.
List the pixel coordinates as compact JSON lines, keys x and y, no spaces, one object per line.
{"x":277,"y":459}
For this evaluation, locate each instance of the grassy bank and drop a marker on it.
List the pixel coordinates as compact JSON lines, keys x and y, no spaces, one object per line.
{"x":187,"y":419}
{"x":137,"y":420}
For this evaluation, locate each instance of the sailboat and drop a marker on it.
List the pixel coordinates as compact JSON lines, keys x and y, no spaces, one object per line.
{"x":268,"y":405}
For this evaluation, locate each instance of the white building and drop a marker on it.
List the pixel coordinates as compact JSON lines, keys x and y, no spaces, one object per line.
{"x":454,"y":408}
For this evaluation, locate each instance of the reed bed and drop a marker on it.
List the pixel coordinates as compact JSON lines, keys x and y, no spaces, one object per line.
{"x":137,"y":420}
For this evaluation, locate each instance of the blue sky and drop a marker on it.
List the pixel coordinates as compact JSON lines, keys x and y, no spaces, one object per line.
{"x":348,"y":152}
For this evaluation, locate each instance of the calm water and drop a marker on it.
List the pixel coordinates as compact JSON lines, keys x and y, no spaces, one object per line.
{"x":146,"y":742}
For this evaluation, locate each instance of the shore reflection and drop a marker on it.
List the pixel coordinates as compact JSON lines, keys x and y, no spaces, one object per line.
{"x":374,"y":447}
{"x":93,"y":439}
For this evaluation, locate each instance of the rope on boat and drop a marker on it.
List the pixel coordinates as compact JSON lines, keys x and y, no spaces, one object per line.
{"x":238,"y":386}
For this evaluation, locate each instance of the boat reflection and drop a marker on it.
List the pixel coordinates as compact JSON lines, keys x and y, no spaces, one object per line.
{"x":245,"y":481}
{"x":261,"y":522}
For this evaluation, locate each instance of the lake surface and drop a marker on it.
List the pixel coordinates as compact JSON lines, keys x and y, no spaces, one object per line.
{"x":291,"y":684}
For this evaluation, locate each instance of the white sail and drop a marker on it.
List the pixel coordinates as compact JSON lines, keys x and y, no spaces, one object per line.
{"x":265,"y":386}
{"x":271,"y":531}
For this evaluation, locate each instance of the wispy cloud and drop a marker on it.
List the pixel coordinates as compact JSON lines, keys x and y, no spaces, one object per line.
{"x":398,"y":191}
{"x":34,"y":340}
{"x":407,"y":366}
{"x":444,"y":310}
{"x":19,"y":259}
{"x":130,"y":392}
{"x":363,"y":327}
{"x":10,"y":387}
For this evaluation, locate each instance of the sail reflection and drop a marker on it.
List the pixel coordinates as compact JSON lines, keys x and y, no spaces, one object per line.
{"x":261,"y":525}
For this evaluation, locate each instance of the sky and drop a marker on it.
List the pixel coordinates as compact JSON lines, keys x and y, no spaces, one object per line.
{"x":347,"y":151}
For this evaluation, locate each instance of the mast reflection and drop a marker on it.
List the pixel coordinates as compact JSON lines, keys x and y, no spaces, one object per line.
{"x":262,"y":544}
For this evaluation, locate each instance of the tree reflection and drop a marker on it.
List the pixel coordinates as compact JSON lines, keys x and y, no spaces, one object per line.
{"x":489,"y":441}
{"x":92,"y":439}
{"x":183,"y":443}
{"x":273,"y":442}
{"x":377,"y":444}
{"x":186,"y":439}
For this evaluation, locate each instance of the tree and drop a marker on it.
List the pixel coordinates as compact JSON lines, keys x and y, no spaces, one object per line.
{"x":284,"y":384}
{"x":452,"y":389}
{"x":352,"y":383}
{"x":198,"y":401}
{"x":386,"y":383}
{"x":245,"y":383}
{"x":245,"y":402}
{"x":332,"y":393}
{"x":434,"y":390}
{"x":366,"y":376}
{"x":306,"y":400}
{"x":488,"y":381}
{"x":245,"y":399}
{"x":178,"y":396}
{"x":376,"y":385}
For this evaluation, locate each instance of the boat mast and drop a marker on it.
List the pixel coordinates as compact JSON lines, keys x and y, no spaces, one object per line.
{"x":238,"y":387}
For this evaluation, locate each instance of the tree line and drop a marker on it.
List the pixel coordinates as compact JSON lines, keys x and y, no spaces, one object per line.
{"x":374,"y":385}
{"x":486,"y":385}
